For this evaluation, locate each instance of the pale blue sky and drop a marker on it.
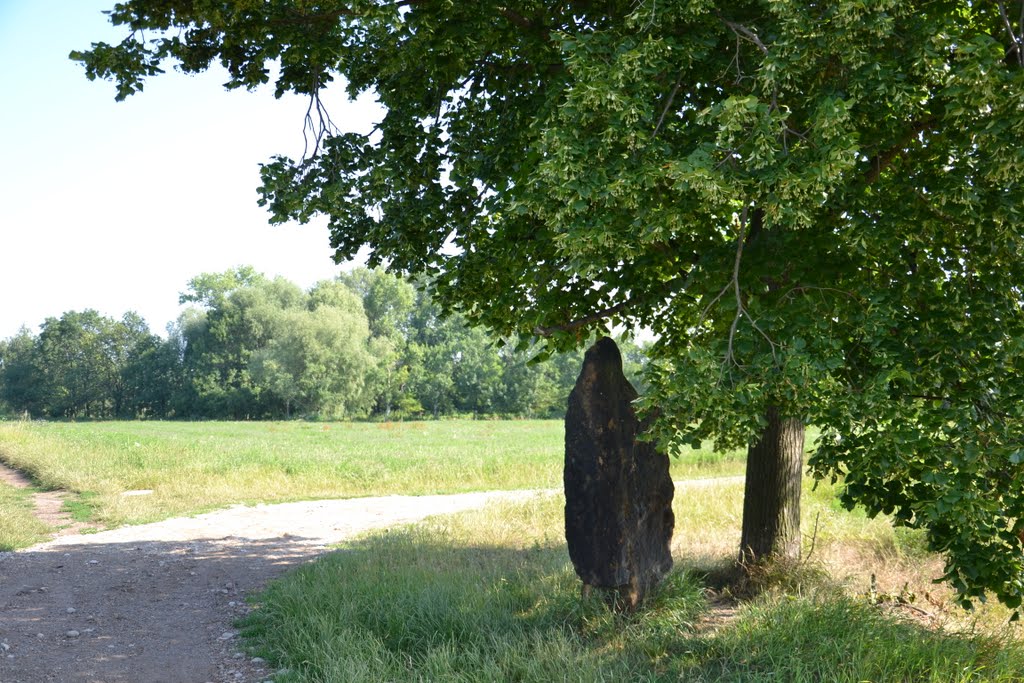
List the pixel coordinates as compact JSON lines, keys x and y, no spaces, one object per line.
{"x":115,"y":205}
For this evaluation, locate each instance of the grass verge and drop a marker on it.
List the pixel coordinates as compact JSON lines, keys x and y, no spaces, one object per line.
{"x":19,"y":526}
{"x":490,"y":595}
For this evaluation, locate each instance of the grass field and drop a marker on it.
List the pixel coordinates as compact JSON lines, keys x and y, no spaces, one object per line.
{"x":192,"y":467}
{"x":490,"y":595}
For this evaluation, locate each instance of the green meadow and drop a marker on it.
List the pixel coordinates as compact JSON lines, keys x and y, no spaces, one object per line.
{"x":193,"y":467}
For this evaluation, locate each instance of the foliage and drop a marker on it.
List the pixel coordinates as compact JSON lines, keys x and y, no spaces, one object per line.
{"x":81,"y":365}
{"x":240,"y":312}
{"x":365,"y":344}
{"x":816,"y":206}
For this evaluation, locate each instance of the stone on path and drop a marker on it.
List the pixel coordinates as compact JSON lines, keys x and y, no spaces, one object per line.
{"x":618,"y":492}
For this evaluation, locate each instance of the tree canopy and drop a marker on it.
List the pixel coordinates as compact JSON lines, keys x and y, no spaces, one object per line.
{"x":816,"y":207}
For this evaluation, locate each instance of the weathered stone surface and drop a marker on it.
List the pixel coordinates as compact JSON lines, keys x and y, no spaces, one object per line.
{"x":618,"y":492}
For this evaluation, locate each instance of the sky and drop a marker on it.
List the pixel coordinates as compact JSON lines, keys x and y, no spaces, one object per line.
{"x":115,"y":206}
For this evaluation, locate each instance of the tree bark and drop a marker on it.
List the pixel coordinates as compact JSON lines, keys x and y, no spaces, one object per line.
{"x":771,"y":500}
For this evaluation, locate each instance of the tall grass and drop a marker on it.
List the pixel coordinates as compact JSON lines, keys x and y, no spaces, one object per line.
{"x":19,"y":526}
{"x":489,"y":595}
{"x":842,"y":639}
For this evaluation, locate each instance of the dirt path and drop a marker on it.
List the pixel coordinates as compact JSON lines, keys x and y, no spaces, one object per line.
{"x":156,"y":603}
{"x":49,"y":505}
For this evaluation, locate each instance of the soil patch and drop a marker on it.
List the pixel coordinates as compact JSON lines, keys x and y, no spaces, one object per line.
{"x":49,"y":505}
{"x":14,"y":478}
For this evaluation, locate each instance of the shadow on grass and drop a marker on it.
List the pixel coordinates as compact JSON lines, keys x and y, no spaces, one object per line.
{"x":418,"y":604}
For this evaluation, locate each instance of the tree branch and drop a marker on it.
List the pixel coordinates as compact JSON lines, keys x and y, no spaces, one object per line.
{"x":883,"y":160}
{"x":742,"y":31}
{"x":573,"y":325}
{"x":668,"y":105}
{"x":1015,"y":40}
{"x":522,"y":22}
{"x":746,"y":224}
{"x":668,"y":287}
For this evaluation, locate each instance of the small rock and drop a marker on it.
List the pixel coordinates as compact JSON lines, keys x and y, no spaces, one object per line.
{"x":72,"y":633}
{"x":258,"y":661}
{"x":232,"y":603}
{"x":238,"y":655}
{"x":94,"y":561}
{"x":227,"y":635}
{"x":5,"y":647}
{"x":191,"y":573}
{"x":70,"y":610}
{"x":40,"y":635}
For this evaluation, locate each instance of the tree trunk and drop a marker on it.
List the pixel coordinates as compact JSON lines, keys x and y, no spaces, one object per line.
{"x":771,"y":499}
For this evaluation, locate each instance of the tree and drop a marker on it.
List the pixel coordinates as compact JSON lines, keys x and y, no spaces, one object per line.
{"x":154,"y":376}
{"x":20,"y":388}
{"x":318,"y":363}
{"x":239,"y":314}
{"x":816,"y":206}
{"x":476,"y":373}
{"x":387,"y":301}
{"x":318,"y":359}
{"x":433,"y":343}
{"x":80,"y":365}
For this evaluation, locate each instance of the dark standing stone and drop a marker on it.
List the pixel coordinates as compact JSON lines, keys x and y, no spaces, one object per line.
{"x":618,"y":492}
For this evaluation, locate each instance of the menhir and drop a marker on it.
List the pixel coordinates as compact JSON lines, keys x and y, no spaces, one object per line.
{"x":618,"y":492}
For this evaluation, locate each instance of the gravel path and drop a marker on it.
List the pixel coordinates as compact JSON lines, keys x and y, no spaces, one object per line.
{"x":156,"y":603}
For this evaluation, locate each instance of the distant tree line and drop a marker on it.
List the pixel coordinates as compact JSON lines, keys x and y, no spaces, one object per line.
{"x":367,"y":344}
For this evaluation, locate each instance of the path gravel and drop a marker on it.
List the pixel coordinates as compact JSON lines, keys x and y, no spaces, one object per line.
{"x":156,"y":603}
